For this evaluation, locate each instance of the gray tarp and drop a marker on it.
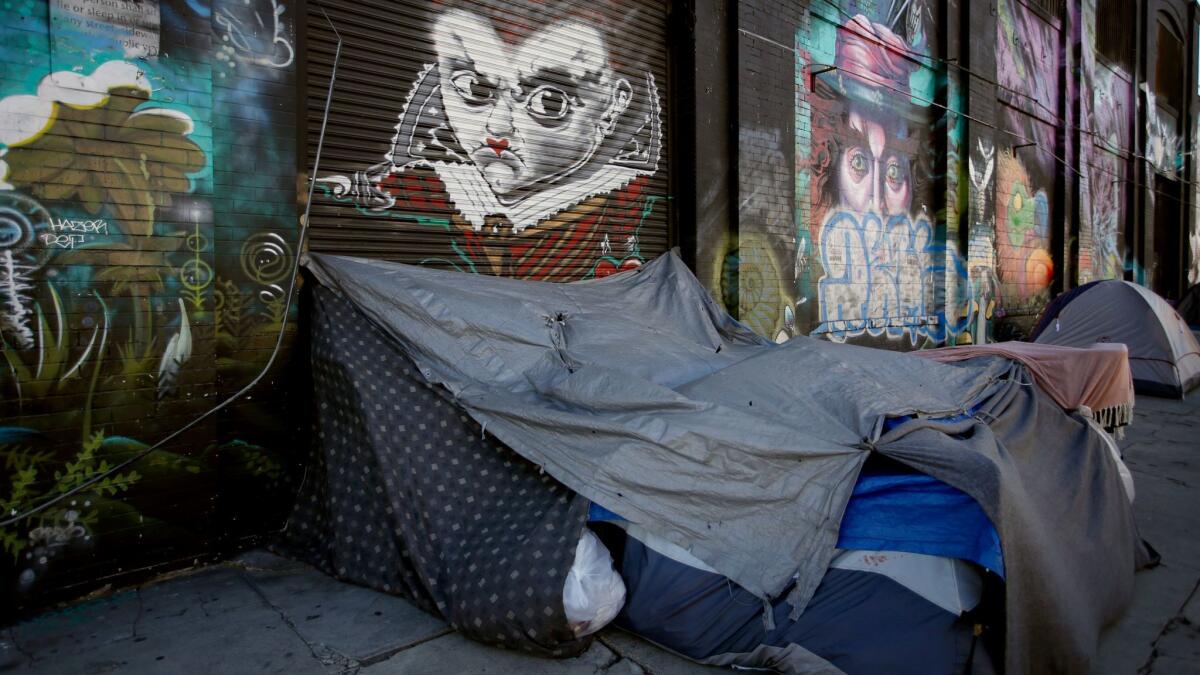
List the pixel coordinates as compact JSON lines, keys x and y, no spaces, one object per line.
{"x":641,"y":394}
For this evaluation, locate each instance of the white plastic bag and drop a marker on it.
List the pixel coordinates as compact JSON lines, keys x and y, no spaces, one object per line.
{"x":594,"y":593}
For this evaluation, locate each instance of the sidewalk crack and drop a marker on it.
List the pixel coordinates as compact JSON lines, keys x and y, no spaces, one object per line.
{"x":133,"y":634}
{"x":1174,"y":621}
{"x":321,"y":653}
{"x":620,"y":656}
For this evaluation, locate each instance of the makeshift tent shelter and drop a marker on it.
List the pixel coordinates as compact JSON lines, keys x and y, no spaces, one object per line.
{"x":441,"y":398}
{"x":1163,"y":354}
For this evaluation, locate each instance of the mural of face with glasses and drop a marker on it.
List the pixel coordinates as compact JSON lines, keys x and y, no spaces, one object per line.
{"x":530,"y":137}
{"x":531,"y":114}
{"x":872,"y":174}
{"x":866,"y":145}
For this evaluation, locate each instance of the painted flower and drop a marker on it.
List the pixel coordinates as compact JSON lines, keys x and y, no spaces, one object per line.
{"x":111,"y":154}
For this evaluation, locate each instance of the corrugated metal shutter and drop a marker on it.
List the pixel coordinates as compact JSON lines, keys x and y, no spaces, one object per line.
{"x":525,"y":139}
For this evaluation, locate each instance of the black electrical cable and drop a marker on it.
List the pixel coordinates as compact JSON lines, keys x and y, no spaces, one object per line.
{"x":16,"y":517}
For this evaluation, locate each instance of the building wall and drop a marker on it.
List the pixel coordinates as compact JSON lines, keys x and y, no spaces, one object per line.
{"x":943,"y":185}
{"x":148,"y":216}
{"x":882,"y":169}
{"x":148,"y":209}
{"x":898,"y":174}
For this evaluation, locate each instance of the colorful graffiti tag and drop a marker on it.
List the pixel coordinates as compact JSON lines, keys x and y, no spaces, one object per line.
{"x":885,"y":271}
{"x":144,"y":161}
{"x":879,"y":277}
{"x":536,"y":155}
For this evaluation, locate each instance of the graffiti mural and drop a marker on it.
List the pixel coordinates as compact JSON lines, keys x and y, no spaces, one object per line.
{"x":1194,"y":236}
{"x":1164,"y":146}
{"x":981,"y":245}
{"x":1027,"y":63}
{"x":144,"y":159}
{"x":1024,"y":265}
{"x":1107,"y":172}
{"x":885,"y":271}
{"x":536,"y":155}
{"x":879,"y":278}
{"x":753,"y":266}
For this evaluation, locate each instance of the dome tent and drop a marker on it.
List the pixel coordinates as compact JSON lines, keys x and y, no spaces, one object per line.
{"x":1163,"y":354}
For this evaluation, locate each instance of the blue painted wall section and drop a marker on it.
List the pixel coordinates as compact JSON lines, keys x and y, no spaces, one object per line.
{"x":148,"y":212}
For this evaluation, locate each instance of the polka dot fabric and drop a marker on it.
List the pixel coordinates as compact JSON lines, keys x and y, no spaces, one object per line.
{"x":405,"y":494}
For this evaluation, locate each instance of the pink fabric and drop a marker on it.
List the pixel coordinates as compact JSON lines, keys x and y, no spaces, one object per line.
{"x":1098,"y":376}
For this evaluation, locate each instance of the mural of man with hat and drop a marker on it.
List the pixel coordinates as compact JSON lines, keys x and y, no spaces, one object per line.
{"x":870,"y":180}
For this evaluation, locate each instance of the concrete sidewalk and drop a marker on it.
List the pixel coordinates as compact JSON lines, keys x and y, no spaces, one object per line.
{"x":1160,"y":633}
{"x":263,"y":614}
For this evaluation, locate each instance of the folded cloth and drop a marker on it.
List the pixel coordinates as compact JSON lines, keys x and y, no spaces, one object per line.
{"x":1097,"y":377}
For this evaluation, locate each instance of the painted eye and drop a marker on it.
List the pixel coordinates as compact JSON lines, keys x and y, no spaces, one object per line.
{"x":548,"y":104}
{"x":858,"y":164}
{"x":895,"y":175}
{"x":473,"y":90}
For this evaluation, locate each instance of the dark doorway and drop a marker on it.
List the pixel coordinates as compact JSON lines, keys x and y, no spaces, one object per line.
{"x":1167,"y":268}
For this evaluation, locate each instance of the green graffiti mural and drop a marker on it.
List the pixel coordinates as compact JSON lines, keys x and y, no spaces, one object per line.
{"x":1027,"y":65}
{"x":147,"y":213}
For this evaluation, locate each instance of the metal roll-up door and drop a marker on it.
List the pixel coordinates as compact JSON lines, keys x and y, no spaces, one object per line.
{"x":516,"y":138}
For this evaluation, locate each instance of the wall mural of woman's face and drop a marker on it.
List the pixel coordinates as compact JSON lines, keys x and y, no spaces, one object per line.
{"x":872,"y":175}
{"x":529,"y":114}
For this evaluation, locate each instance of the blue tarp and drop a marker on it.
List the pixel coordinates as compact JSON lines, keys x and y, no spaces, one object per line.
{"x":897,"y":509}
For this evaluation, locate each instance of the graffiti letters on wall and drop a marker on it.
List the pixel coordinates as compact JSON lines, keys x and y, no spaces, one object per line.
{"x":534,"y":154}
{"x":144,"y":159}
{"x":885,"y":271}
